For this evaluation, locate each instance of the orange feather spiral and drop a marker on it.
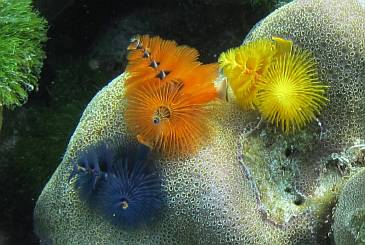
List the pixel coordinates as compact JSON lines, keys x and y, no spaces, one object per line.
{"x":167,"y":93}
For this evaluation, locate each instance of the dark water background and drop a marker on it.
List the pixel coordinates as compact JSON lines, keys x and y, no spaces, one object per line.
{"x":86,"y":48}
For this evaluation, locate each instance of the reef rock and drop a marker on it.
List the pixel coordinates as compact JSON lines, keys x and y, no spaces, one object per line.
{"x":250,"y":184}
{"x":209,"y":197}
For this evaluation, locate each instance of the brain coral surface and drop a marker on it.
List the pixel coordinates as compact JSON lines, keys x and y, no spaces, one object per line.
{"x":210,"y":198}
{"x":349,"y":215}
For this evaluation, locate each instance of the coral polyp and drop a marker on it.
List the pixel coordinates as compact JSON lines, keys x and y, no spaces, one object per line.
{"x":132,"y":195}
{"x":167,"y":94}
{"x":278,"y":79}
{"x":119,"y":182}
{"x":91,"y":167}
{"x":244,"y":66}
{"x":151,"y":57}
{"x":290,"y":93}
{"x":168,"y":118}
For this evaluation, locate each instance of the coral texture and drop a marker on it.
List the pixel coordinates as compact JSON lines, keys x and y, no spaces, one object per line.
{"x":349,"y":215}
{"x":245,"y":187}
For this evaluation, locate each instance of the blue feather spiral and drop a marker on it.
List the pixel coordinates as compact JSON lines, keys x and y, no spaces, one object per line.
{"x":122,"y":185}
{"x":131,"y":196}
{"x":92,"y":167}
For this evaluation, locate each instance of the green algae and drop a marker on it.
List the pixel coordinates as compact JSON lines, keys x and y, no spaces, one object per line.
{"x":22,"y":33}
